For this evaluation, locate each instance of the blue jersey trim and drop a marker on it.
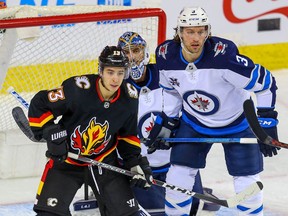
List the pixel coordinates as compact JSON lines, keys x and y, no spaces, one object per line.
{"x":267,"y":82}
{"x":255,"y":76}
{"x":195,"y":62}
{"x":243,"y":125}
{"x":256,"y":211}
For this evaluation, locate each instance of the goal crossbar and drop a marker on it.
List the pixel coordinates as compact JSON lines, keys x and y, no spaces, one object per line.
{"x":99,"y":16}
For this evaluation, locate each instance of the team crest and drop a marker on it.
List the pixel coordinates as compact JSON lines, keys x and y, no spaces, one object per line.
{"x":146,"y":123}
{"x":202,"y":102}
{"x":132,"y":91}
{"x":163,"y":50}
{"x":92,"y":140}
{"x":82,"y":82}
{"x":219,"y":48}
{"x":174,"y":81}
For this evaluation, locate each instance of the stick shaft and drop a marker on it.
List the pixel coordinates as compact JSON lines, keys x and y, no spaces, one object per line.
{"x":18,"y":97}
{"x":214,"y":140}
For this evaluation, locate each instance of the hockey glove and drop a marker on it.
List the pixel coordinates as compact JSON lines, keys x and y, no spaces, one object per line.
{"x":143,"y":173}
{"x":268,"y":121}
{"x":56,"y":143}
{"x":162,"y":128}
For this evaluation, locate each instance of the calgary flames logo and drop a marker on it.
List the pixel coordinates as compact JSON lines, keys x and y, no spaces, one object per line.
{"x":92,"y":140}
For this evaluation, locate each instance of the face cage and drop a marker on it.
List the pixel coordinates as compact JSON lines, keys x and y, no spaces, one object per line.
{"x":137,"y":69}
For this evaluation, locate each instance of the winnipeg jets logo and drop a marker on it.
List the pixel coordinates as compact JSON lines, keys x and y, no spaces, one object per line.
{"x":163,"y":50}
{"x":174,"y":81}
{"x":202,"y":102}
{"x":220,"y":48}
{"x":146,"y":123}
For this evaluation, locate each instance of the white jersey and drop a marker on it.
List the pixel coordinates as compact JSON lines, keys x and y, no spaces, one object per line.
{"x":150,"y":105}
{"x":211,"y":91}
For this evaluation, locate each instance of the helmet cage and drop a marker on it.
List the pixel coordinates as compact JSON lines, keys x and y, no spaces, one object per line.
{"x":129,"y":41}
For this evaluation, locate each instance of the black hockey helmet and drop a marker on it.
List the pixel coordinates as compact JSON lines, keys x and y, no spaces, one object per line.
{"x":114,"y":57}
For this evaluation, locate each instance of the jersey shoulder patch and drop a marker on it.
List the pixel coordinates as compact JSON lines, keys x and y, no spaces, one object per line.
{"x":132,"y":91}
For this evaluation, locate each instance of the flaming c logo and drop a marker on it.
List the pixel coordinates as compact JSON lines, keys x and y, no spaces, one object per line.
{"x":229,"y":14}
{"x":92,"y":140}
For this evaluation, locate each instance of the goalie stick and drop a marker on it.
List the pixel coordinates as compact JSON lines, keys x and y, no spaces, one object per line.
{"x":250,"y":191}
{"x":258,"y":131}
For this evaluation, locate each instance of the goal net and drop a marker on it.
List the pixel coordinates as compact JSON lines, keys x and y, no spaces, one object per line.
{"x":42,"y":46}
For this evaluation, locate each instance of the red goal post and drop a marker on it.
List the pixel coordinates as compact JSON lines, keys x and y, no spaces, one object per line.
{"x":42,"y":46}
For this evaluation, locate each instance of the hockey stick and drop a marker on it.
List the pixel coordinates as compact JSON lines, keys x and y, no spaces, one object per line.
{"x":18,"y":97}
{"x":23,"y":123}
{"x":250,"y":191}
{"x":231,"y":202}
{"x":20,"y":117}
{"x":258,"y":131}
{"x":210,"y":140}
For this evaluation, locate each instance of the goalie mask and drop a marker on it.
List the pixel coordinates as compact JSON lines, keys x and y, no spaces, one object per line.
{"x":135,"y":47}
{"x":114,"y":57}
{"x":191,"y":17}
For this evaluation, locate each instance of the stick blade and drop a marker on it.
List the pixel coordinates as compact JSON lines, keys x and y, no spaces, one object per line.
{"x":23,"y":123}
{"x":249,"y":192}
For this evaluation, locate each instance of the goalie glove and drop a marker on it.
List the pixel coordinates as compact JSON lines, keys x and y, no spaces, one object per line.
{"x":57,"y":145}
{"x":268,"y":120}
{"x":163,"y":127}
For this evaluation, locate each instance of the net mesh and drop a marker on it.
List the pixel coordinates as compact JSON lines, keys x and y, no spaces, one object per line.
{"x":41,"y":57}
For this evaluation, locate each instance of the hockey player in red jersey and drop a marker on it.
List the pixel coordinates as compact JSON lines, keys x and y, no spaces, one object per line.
{"x":144,"y":76}
{"x":99,"y":119}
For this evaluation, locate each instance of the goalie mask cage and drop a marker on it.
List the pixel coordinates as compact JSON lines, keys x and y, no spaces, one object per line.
{"x":42,"y":46}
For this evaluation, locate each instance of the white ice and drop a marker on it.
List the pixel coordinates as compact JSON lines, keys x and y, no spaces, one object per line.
{"x":17,"y":195}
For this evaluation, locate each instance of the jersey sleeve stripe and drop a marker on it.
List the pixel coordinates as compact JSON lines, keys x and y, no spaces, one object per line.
{"x":133,"y":140}
{"x":267,"y":82}
{"x":254,"y":77}
{"x":43,"y":119}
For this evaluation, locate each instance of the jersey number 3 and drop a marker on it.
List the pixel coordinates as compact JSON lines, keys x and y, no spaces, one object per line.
{"x":242,"y":60}
{"x":56,"y":94}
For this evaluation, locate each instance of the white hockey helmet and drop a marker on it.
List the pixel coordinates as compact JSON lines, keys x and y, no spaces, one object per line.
{"x":193,"y":16}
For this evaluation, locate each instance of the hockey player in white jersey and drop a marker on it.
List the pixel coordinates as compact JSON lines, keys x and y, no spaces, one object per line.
{"x":144,"y":77}
{"x":207,"y":79}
